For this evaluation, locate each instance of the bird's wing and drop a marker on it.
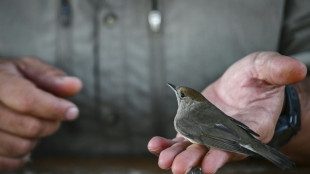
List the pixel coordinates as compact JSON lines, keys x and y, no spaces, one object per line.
{"x":216,"y":135}
{"x":244,"y":127}
{"x":194,"y":129}
{"x":210,"y":133}
{"x":228,"y":145}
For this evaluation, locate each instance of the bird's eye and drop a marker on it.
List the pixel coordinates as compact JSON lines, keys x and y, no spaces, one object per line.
{"x":182,"y":94}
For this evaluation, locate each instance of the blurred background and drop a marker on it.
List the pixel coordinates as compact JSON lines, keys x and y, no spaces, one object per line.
{"x":125,"y":51}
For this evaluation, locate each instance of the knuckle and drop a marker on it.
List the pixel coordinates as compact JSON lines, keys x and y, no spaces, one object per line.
{"x":49,"y":70}
{"x":34,"y":128}
{"x":29,"y":59}
{"x":52,"y":72}
{"x":26,"y":103}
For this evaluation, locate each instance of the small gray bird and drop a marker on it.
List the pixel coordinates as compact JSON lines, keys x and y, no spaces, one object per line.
{"x":201,"y":122}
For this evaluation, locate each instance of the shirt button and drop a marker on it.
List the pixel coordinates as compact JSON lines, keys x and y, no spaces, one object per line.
{"x":110,"y":19}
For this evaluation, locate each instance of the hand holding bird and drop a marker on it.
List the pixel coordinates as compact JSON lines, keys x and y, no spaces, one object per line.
{"x":251,"y":91}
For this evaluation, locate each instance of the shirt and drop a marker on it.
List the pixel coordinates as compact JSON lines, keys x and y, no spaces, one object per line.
{"x":124,"y":65}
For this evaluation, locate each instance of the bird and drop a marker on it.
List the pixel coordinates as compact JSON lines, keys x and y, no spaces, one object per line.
{"x":201,"y":122}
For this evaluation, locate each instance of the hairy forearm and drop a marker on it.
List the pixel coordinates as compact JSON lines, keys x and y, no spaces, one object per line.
{"x":298,"y":148}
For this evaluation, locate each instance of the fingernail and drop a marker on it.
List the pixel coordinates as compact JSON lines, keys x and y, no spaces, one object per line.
{"x":72,"y":113}
{"x":69,"y":79}
{"x":63,"y":78}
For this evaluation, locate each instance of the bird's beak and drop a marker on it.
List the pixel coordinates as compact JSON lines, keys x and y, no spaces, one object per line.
{"x":172,"y":87}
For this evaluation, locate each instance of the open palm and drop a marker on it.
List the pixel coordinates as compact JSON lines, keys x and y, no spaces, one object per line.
{"x":251,"y":91}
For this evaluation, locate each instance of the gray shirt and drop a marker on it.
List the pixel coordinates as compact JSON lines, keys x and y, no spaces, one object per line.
{"x":125,"y":66}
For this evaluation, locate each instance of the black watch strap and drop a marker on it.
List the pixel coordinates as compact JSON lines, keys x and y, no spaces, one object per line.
{"x":289,"y":122}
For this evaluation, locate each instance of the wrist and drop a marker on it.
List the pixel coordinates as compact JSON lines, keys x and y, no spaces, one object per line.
{"x":295,"y":109}
{"x":298,"y":147}
{"x":289,"y":122}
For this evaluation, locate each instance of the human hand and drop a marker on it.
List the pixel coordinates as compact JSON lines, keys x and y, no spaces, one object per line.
{"x":251,"y":91}
{"x":31,"y":106}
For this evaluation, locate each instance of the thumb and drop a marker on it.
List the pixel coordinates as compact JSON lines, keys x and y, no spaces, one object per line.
{"x":277,"y":69}
{"x":48,"y":78}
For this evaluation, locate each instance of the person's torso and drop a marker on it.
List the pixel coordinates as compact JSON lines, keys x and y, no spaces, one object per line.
{"x":125,"y":66}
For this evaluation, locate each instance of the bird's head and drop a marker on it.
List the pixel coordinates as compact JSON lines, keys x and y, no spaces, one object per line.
{"x":185,"y":94}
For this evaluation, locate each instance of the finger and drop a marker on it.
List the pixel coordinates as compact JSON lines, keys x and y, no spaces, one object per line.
{"x":15,"y":147}
{"x":278,"y":69}
{"x":188,"y":159}
{"x":167,"y":156}
{"x":179,"y":137}
{"x":25,"y":126}
{"x":10,"y":164}
{"x":22,"y":96}
{"x":48,"y":77}
{"x":216,"y":158}
{"x":158,"y":144}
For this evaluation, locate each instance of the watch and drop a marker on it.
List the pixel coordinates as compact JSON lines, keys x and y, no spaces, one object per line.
{"x":289,"y":122}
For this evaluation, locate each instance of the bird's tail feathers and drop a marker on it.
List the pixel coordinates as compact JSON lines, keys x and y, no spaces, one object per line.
{"x":278,"y":158}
